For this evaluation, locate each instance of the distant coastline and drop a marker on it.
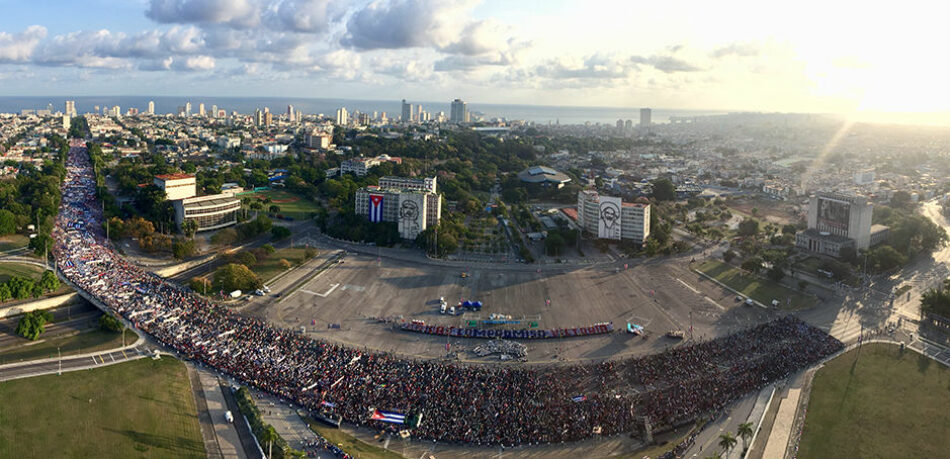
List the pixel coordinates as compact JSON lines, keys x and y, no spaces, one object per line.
{"x":542,"y":114}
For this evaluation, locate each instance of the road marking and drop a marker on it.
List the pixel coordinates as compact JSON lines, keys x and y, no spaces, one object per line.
{"x":688,"y":286}
{"x":124,"y":354}
{"x":94,"y":360}
{"x":324,"y":294}
{"x":714,"y":303}
{"x":111,"y":357}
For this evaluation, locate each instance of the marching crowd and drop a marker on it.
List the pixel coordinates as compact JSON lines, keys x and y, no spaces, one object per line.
{"x":462,"y":404}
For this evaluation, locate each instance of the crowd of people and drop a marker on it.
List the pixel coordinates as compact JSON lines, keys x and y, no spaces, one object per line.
{"x":505,"y":405}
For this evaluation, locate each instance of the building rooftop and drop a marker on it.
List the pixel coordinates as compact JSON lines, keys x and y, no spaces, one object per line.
{"x":174,"y":176}
{"x":212,"y":200}
{"x":542,"y":174}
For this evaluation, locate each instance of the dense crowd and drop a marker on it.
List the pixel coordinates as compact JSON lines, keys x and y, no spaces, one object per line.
{"x":465,"y":404}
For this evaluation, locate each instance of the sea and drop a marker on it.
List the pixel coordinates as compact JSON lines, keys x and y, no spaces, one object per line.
{"x":540,"y":114}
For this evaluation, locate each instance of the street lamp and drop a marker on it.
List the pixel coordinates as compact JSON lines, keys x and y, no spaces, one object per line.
{"x":60,"y":358}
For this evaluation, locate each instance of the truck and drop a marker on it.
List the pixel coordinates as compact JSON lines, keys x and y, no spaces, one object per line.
{"x":235,"y":294}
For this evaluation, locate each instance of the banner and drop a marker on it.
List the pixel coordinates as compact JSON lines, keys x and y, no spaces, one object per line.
{"x":375,"y":208}
{"x":439,"y":330}
{"x":608,"y":225}
{"x":388,"y":416}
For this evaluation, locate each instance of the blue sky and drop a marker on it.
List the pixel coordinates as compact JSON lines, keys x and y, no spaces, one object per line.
{"x":814,"y":56}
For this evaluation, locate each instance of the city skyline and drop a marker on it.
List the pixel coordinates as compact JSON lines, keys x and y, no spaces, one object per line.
{"x":677,"y":55}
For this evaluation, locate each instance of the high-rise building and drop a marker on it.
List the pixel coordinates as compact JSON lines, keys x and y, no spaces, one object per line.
{"x":70,"y":108}
{"x":151,"y":107}
{"x":836,"y":221}
{"x":619,"y":125}
{"x":67,"y":122}
{"x":187,"y":108}
{"x":419,"y":113}
{"x":342,"y":117}
{"x":258,"y":117}
{"x":268,"y":118}
{"x":629,"y":125}
{"x":645,"y":115}
{"x":290,"y":113}
{"x":116,"y":111}
{"x":201,"y":109}
{"x":406,"y":112}
{"x":459,"y":113}
{"x":413,"y":210}
{"x":610,"y":218}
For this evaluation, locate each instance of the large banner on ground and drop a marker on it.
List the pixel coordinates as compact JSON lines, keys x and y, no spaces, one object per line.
{"x":608,"y":226}
{"x":596,"y":329}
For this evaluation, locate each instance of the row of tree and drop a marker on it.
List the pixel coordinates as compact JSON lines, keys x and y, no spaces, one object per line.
{"x":20,"y":288}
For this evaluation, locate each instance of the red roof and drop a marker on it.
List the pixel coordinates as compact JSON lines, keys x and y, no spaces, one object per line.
{"x":174,"y":176}
{"x":570,"y":212}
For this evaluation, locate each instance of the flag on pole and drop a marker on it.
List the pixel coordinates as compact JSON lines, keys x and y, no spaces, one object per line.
{"x":388,"y":416}
{"x":328,"y":404}
{"x":376,"y":208}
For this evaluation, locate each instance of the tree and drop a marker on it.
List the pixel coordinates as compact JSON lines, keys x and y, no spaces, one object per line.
{"x":901,"y":199}
{"x":31,"y":325}
{"x":110,"y":323}
{"x":189,"y":228}
{"x":246,"y":258}
{"x":802,"y":285}
{"x":554,"y":244}
{"x":49,"y":281}
{"x":225,"y":237}
{"x":776,"y":273}
{"x":745,"y":431}
{"x":752,"y":264}
{"x":7,"y":222}
{"x":728,"y":255}
{"x":727,"y":441}
{"x":200,"y":285}
{"x":280,"y":232}
{"x":749,"y":227}
{"x":664,"y":190}
{"x":233,"y":276}
{"x":284,"y":263}
{"x":274,"y":208}
{"x":269,"y":436}
{"x":183,"y":248}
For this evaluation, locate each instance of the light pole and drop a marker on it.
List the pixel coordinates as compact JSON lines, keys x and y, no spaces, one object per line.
{"x":60,"y":358}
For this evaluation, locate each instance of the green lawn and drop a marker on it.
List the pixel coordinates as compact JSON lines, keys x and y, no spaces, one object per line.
{"x":91,"y":341}
{"x":297,"y":207}
{"x":759,"y":289}
{"x":8,"y":270}
{"x":876,"y":402}
{"x":13,"y":241}
{"x":271,"y":267}
{"x":138,"y":409}
{"x":351,"y":444}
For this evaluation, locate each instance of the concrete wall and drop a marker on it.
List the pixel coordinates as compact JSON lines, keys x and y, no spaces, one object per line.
{"x":47,"y":303}
{"x":175,"y":269}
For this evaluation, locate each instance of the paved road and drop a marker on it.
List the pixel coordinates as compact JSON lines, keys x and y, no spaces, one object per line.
{"x":81,"y":362}
{"x":227,"y":437}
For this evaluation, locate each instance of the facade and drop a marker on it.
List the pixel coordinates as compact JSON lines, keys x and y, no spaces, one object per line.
{"x":611,"y":218}
{"x":209,"y":212}
{"x":646,"y":116}
{"x":836,"y":221}
{"x":459,"y":112}
{"x":70,"y":108}
{"x":342,"y":116}
{"x":151,"y":107}
{"x":407,"y":112}
{"x":176,"y":186}
{"x":413,"y":210}
{"x":318,"y":139}
{"x":409,"y":183}
{"x":360,"y":166}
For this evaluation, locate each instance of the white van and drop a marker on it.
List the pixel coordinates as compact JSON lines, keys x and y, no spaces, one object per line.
{"x":228,"y":417}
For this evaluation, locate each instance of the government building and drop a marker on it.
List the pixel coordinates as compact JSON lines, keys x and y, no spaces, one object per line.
{"x":837,"y":221}
{"x":210,"y":212}
{"x":411,"y":203}
{"x":608,"y":217}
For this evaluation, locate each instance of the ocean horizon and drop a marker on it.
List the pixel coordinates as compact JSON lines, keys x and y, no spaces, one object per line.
{"x":541,"y":114}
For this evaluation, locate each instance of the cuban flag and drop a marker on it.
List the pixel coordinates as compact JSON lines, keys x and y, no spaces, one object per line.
{"x":388,"y":416}
{"x":328,"y":404}
{"x":579,"y":398}
{"x":375,"y":208}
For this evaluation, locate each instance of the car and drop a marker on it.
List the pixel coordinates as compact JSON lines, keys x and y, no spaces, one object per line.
{"x":266,"y":289}
{"x":738,"y":298}
{"x":277,"y":295}
{"x":749,"y":302}
{"x":228,"y":416}
{"x":259,"y":292}
{"x":464,"y":275}
{"x":442,"y":308}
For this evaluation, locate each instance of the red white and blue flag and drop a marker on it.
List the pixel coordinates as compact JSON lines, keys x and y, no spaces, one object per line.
{"x":376,"y":208}
{"x":388,"y":416}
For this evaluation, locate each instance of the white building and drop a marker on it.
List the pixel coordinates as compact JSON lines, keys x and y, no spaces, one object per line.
{"x":599,"y":216}
{"x":151,"y":107}
{"x":342,"y":117}
{"x":412,"y":210}
{"x":836,"y":221}
{"x":360,"y":166}
{"x":176,"y":186}
{"x":409,"y":183}
{"x":209,"y":212}
{"x":318,"y":139}
{"x":459,"y":112}
{"x":229,"y":142}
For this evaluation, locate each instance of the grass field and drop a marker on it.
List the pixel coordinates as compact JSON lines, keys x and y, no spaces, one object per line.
{"x":290,"y":204}
{"x":13,"y":242}
{"x":271,"y":267}
{"x":759,"y":289}
{"x":8,"y":270}
{"x":877,"y":402}
{"x":96,"y":340}
{"x":142,"y":409}
{"x":351,"y":444}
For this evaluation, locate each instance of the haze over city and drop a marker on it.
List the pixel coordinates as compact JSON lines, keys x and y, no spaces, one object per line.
{"x":857,"y":58}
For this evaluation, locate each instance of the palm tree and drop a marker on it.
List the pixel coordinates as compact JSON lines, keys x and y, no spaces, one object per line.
{"x":270,"y":436}
{"x":727,"y":441}
{"x":745,"y":431}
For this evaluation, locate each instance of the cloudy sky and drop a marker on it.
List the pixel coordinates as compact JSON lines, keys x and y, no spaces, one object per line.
{"x":816,"y":56}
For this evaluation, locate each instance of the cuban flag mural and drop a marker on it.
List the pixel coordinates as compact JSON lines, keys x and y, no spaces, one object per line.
{"x":375,"y":208}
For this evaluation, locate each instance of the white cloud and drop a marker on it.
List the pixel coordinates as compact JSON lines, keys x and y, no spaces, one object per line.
{"x":19,"y":47}
{"x":193,"y":63}
{"x":235,"y":13}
